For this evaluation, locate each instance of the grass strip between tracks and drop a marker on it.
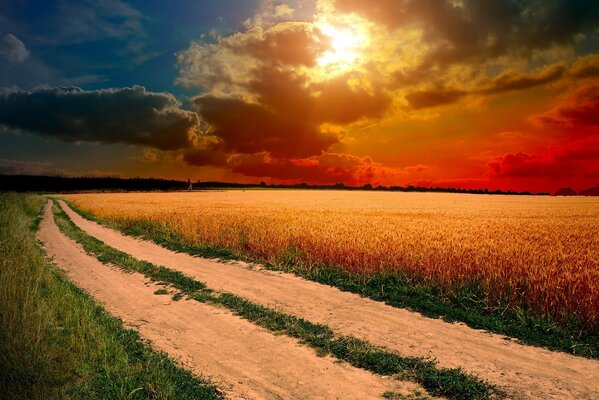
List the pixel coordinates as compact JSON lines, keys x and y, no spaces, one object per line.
{"x":452,"y":383}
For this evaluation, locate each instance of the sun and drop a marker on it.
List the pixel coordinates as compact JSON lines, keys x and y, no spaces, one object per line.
{"x":344,"y":50}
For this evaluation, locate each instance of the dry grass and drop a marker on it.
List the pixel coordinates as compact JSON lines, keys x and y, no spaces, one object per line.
{"x":538,"y":251}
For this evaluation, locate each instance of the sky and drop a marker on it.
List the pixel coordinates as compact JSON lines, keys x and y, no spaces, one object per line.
{"x":497,"y":94}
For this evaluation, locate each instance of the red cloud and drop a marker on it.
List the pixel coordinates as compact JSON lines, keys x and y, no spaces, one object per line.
{"x":568,"y":159}
{"x":327,"y":168}
{"x":576,"y":155}
{"x":580,"y":110}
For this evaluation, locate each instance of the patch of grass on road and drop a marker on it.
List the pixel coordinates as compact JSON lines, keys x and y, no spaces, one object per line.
{"x":451,"y":383}
{"x":56,"y":342}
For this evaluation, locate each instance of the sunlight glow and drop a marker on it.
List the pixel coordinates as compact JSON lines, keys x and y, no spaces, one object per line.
{"x":345,"y":48}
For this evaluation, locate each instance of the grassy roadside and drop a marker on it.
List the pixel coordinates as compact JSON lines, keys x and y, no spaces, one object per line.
{"x":468,"y":305}
{"x":451,"y":383}
{"x":56,"y":342}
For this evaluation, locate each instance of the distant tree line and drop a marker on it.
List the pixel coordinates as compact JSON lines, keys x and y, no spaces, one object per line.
{"x":53,"y":184}
{"x":568,"y":191}
{"x":368,"y":187}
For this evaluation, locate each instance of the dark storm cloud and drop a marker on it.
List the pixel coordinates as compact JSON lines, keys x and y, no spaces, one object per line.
{"x":505,"y":82}
{"x":433,"y":97}
{"x":472,"y":30}
{"x":127,"y":115}
{"x":586,"y":67}
{"x":207,"y":154}
{"x":579,"y":111}
{"x":251,"y":128}
{"x":326,"y":168}
{"x":568,"y":159}
{"x":286,"y":121}
{"x":511,"y":81}
{"x":577,"y":118}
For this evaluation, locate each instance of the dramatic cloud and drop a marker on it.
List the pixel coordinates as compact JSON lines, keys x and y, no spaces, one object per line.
{"x":225,"y":67}
{"x":279,"y":98}
{"x":209,"y":153}
{"x":327,"y":168}
{"x":13,"y":49}
{"x":512,"y":80}
{"x":505,"y":82}
{"x":288,"y":117}
{"x":256,"y":128}
{"x":579,"y":111}
{"x":276,"y":108}
{"x":290,"y":43}
{"x":575,"y":153}
{"x":471,"y":30}
{"x":568,"y":159}
{"x":586,"y":67}
{"x":433,"y":97}
{"x":128,"y":115}
{"x":325,"y":91}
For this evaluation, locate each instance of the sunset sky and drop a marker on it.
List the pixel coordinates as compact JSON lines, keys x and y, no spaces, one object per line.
{"x":502,"y":94}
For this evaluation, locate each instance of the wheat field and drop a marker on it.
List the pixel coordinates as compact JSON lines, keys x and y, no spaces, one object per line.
{"x":538,"y":251}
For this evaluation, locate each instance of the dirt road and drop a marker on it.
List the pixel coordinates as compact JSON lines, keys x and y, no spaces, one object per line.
{"x":244,"y":360}
{"x":524,"y":371}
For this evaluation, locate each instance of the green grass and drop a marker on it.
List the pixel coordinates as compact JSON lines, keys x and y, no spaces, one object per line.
{"x":451,"y":383}
{"x":56,"y":342}
{"x":468,"y":304}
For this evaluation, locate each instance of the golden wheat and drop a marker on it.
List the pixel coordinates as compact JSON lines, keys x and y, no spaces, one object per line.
{"x":539,"y":250}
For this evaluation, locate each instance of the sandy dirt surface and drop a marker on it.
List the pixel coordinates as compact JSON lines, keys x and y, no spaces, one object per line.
{"x":523,"y":371}
{"x":243,"y":360}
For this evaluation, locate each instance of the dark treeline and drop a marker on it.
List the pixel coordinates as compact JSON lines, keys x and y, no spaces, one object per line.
{"x":341,"y":186}
{"x":568,"y":191}
{"x":34,"y":183}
